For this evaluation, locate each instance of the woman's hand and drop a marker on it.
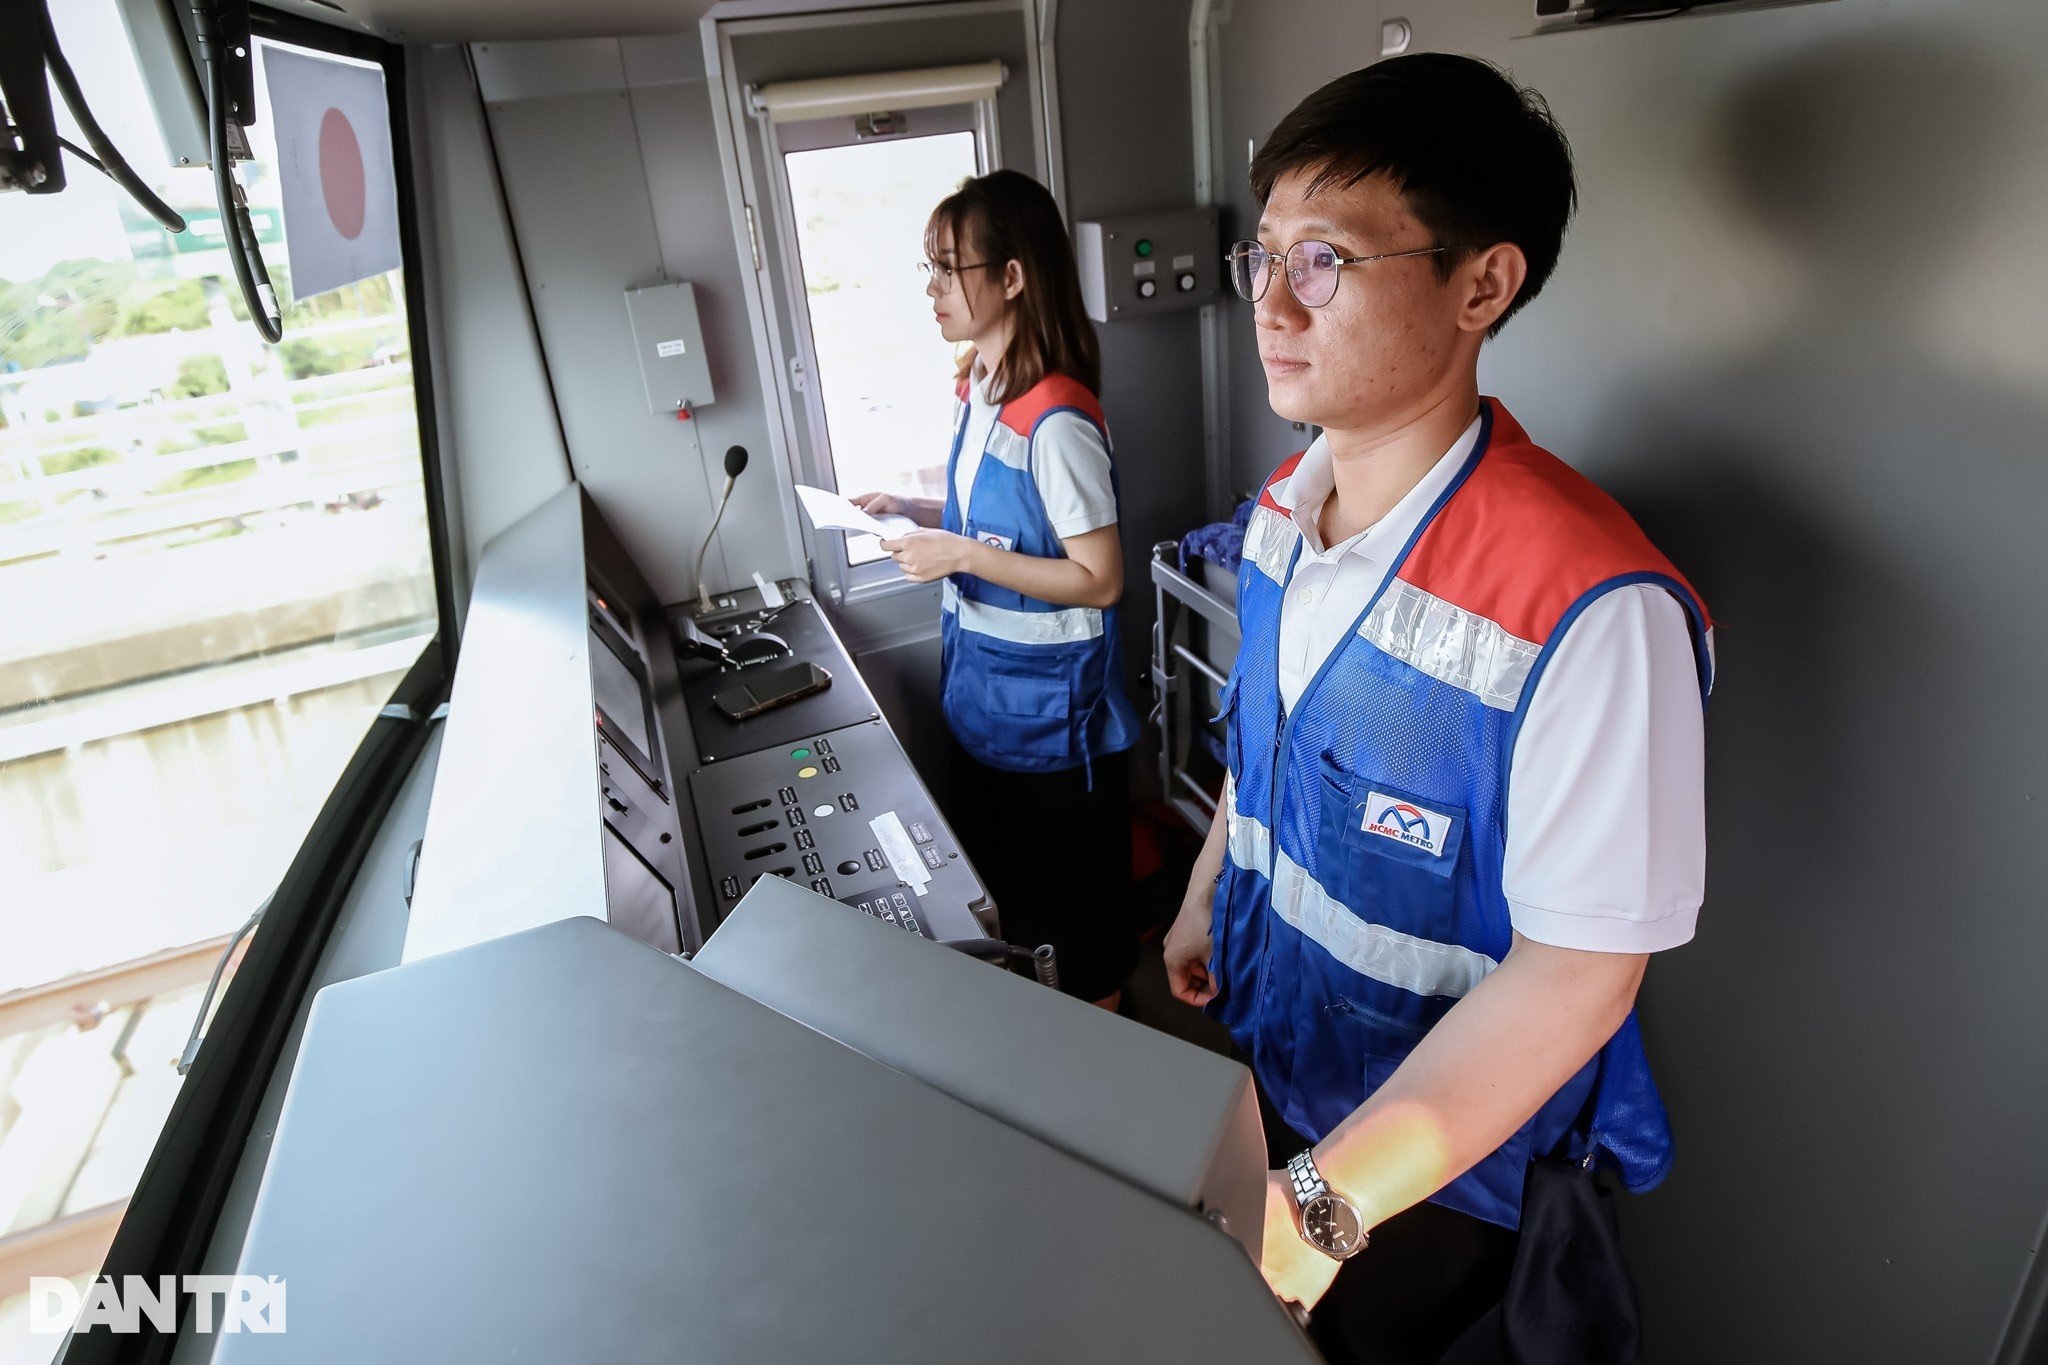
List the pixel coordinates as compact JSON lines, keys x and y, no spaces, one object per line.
{"x":927,"y":555}
{"x":881,"y":504}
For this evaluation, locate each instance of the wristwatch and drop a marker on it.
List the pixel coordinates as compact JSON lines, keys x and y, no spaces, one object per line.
{"x":1326,"y":1220}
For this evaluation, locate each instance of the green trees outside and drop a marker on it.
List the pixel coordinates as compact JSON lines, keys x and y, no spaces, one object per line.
{"x":60,"y":316}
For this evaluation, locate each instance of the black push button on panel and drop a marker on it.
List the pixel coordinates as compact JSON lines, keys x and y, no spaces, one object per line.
{"x":822,"y":826}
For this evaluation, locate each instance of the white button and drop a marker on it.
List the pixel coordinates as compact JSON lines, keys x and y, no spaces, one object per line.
{"x":822,"y":811}
{"x":1147,"y":288}
{"x":1307,"y":597}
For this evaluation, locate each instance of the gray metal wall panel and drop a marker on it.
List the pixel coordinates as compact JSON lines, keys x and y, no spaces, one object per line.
{"x":1798,"y":328}
{"x":576,"y":170}
{"x":1128,"y":140}
{"x":500,"y":438}
{"x":905,"y":680}
{"x":679,"y":150}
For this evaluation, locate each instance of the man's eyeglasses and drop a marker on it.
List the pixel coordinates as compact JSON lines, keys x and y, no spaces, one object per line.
{"x":1312,"y":269}
{"x":945,"y":274}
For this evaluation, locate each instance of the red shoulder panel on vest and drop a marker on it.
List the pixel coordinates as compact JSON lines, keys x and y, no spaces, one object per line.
{"x":1286,"y":467}
{"x":961,"y":389}
{"x":1021,"y":415}
{"x":1527,"y":536}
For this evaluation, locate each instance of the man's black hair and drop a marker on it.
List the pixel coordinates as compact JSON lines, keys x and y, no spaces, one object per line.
{"x":1478,"y":159}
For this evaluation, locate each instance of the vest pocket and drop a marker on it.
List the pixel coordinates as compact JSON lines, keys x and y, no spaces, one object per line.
{"x":1028,"y":714}
{"x":1389,"y":855}
{"x":1001,"y":535}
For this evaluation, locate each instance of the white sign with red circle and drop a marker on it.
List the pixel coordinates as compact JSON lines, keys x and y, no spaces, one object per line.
{"x":334,"y":167}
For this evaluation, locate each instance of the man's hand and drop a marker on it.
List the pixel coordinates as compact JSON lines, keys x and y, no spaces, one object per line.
{"x":927,"y":555}
{"x":1187,"y":946}
{"x":1187,"y":941}
{"x":1294,"y":1270}
{"x":881,"y":504}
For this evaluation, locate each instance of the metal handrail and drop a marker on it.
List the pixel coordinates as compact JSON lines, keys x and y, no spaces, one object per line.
{"x":196,"y":1038}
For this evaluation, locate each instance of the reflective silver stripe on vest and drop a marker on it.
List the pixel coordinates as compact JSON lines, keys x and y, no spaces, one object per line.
{"x":1251,"y":843}
{"x":1450,"y":644}
{"x":1009,"y":447}
{"x":1413,"y":964}
{"x":1269,"y":541}
{"x":1022,"y":627}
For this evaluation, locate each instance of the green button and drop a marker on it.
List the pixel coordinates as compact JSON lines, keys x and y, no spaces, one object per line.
{"x":1144,"y":247}
{"x":799,"y":753}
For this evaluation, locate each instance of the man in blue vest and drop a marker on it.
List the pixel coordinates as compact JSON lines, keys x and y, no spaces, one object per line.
{"x":1465,"y":793}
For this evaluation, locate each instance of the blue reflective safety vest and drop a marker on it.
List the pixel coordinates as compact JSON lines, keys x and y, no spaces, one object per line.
{"x":1026,"y":685}
{"x":1362,"y":893}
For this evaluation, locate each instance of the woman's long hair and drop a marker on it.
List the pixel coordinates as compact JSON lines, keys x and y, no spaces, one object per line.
{"x":1007,"y":216}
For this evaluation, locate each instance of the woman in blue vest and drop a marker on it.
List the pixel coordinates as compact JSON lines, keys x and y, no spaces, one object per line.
{"x":1026,"y":540}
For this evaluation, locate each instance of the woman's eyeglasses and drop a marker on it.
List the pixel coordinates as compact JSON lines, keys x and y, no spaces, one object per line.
{"x":945,"y":274}
{"x":1312,"y":269}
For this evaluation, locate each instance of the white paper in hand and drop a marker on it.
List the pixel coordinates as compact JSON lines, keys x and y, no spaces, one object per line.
{"x":830,"y":512}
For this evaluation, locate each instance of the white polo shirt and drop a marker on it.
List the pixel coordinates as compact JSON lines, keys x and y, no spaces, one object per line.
{"x":1606,"y":810}
{"x":1069,"y":465}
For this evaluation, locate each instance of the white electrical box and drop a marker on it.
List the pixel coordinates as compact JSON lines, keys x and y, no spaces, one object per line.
{"x":670,"y":346}
{"x":1141,"y":263}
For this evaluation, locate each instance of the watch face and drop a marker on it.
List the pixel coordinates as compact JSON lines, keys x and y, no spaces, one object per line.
{"x":1331,"y":1225}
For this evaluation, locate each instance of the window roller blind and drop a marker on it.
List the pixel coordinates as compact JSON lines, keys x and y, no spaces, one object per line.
{"x":878,"y":92}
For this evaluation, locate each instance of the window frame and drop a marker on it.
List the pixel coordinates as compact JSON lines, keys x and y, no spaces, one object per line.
{"x":178,"y":1199}
{"x":846,"y":582}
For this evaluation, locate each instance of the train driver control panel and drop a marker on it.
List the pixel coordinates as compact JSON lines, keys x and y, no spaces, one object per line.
{"x":815,"y":789}
{"x":842,"y":814}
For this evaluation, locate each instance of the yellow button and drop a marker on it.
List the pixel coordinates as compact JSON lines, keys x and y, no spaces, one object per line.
{"x":807,"y":772}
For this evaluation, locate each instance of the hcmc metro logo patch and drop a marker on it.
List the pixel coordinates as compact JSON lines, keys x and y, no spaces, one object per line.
{"x":1001,"y":542}
{"x":1390,"y":817}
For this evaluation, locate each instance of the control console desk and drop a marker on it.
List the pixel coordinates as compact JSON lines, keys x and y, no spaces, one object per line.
{"x":586,"y":763}
{"x":819,"y":791}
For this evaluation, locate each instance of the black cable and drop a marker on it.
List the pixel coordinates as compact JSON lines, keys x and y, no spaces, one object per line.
{"x":83,"y":155}
{"x":244,"y":252}
{"x":108,"y":159}
{"x":1042,"y":960}
{"x":1639,"y":11}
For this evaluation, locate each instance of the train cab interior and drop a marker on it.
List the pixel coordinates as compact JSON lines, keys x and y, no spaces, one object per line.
{"x":484,"y":856}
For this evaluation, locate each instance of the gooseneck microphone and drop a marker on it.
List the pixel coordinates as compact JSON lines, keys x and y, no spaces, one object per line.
{"x":735,"y":462}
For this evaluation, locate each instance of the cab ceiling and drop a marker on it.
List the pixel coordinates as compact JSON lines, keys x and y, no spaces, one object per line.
{"x":471,"y":21}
